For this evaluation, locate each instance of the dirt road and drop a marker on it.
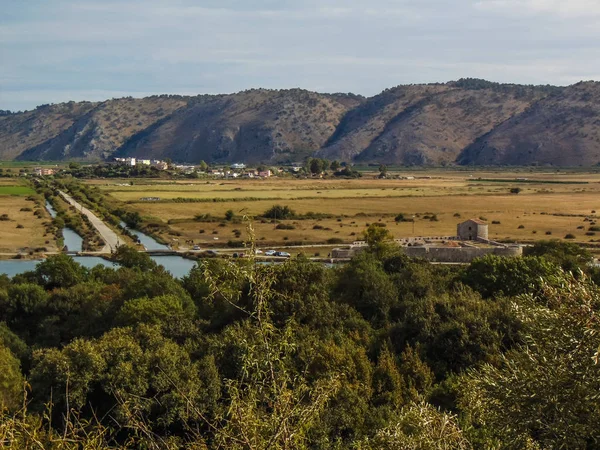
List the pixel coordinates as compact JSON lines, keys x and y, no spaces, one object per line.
{"x":110,"y":238}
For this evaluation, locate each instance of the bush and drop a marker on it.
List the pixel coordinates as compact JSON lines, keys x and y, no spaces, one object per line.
{"x":285,"y":226}
{"x":548,"y":233}
{"x":594,"y":229}
{"x":4,"y":217}
{"x":279,"y":212}
{"x":317,"y":227}
{"x":335,"y":241}
{"x":20,"y":226}
{"x":520,"y":227}
{"x":569,"y":236}
{"x":495,"y":222}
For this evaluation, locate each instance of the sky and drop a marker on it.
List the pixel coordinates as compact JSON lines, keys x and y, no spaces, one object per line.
{"x":54,"y":51}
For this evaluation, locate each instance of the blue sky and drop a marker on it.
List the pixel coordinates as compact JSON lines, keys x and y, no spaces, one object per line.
{"x":58,"y":50}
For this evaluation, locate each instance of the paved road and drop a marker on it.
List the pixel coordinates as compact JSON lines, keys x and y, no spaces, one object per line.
{"x":109,"y":236}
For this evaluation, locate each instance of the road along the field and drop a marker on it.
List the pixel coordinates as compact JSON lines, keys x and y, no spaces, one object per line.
{"x":110,"y":238}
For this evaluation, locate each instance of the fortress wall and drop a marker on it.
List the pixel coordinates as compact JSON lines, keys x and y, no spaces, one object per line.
{"x":459,"y":254}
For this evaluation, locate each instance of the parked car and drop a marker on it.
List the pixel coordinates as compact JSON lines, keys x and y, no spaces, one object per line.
{"x":283,"y":254}
{"x":196,"y":247}
{"x":258,"y":251}
{"x":270,"y":253}
{"x":211,"y":253}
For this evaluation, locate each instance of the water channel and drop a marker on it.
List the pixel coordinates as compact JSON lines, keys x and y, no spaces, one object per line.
{"x":177,"y":265}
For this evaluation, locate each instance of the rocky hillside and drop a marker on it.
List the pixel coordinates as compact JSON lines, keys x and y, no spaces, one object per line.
{"x":97,"y":133}
{"x":563,"y":129}
{"x":464,"y":122}
{"x":252,"y":126}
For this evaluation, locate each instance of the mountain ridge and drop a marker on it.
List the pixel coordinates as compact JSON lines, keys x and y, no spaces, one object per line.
{"x":466,"y":122}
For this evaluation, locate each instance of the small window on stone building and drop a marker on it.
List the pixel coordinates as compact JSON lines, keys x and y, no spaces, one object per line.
{"x":470,"y":228}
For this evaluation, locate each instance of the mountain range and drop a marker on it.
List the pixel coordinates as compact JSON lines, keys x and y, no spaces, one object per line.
{"x":465,"y":122}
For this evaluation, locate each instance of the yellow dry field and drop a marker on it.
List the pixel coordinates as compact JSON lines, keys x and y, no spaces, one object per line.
{"x":31,"y":236}
{"x":540,"y":211}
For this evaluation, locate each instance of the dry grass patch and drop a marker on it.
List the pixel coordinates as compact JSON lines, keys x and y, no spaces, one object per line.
{"x":31,"y":235}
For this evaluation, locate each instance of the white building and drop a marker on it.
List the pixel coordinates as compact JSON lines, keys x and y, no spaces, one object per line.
{"x":238,"y":166}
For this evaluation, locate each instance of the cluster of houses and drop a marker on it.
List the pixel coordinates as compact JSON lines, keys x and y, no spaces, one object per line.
{"x":43,"y":172}
{"x":156,"y":163}
{"x":236,"y":170}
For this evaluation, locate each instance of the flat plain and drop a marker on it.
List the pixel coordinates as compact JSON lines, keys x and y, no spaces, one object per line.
{"x":548,"y":205}
{"x":20,"y":229}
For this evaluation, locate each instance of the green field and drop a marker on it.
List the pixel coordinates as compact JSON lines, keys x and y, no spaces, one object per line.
{"x":16,"y":190}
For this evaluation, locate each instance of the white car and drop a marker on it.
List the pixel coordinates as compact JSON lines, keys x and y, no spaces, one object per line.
{"x":258,"y":251}
{"x":270,"y":253}
{"x":283,"y":254}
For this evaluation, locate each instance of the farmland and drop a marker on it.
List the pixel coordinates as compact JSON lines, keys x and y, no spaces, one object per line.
{"x":22,"y":221}
{"x":548,"y":205}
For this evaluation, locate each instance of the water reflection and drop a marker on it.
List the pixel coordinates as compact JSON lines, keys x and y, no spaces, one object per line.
{"x":148,"y":242}
{"x":72,"y":240}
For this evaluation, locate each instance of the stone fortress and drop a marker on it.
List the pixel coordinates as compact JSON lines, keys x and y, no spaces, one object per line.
{"x":471,"y":241}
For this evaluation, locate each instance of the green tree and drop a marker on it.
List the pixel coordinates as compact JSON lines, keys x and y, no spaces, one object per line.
{"x":279,"y":212}
{"x":379,"y":239}
{"x":131,"y":258}
{"x":270,"y":405}
{"x":364,"y":285}
{"x":314,"y":166}
{"x":59,"y":271}
{"x":229,"y":215}
{"x":203,"y":166}
{"x":335,"y":165}
{"x":11,"y":380}
{"x":546,"y":390}
{"x":495,"y":276}
{"x":388,"y":384}
{"x":155,"y":311}
{"x":570,"y":256}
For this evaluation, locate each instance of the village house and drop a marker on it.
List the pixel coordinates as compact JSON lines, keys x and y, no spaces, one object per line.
{"x":264,"y":173}
{"x":126,"y":161}
{"x":160,"y":165}
{"x":39,"y":171}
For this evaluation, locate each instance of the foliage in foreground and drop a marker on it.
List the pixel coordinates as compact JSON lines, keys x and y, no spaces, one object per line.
{"x":382,"y":353}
